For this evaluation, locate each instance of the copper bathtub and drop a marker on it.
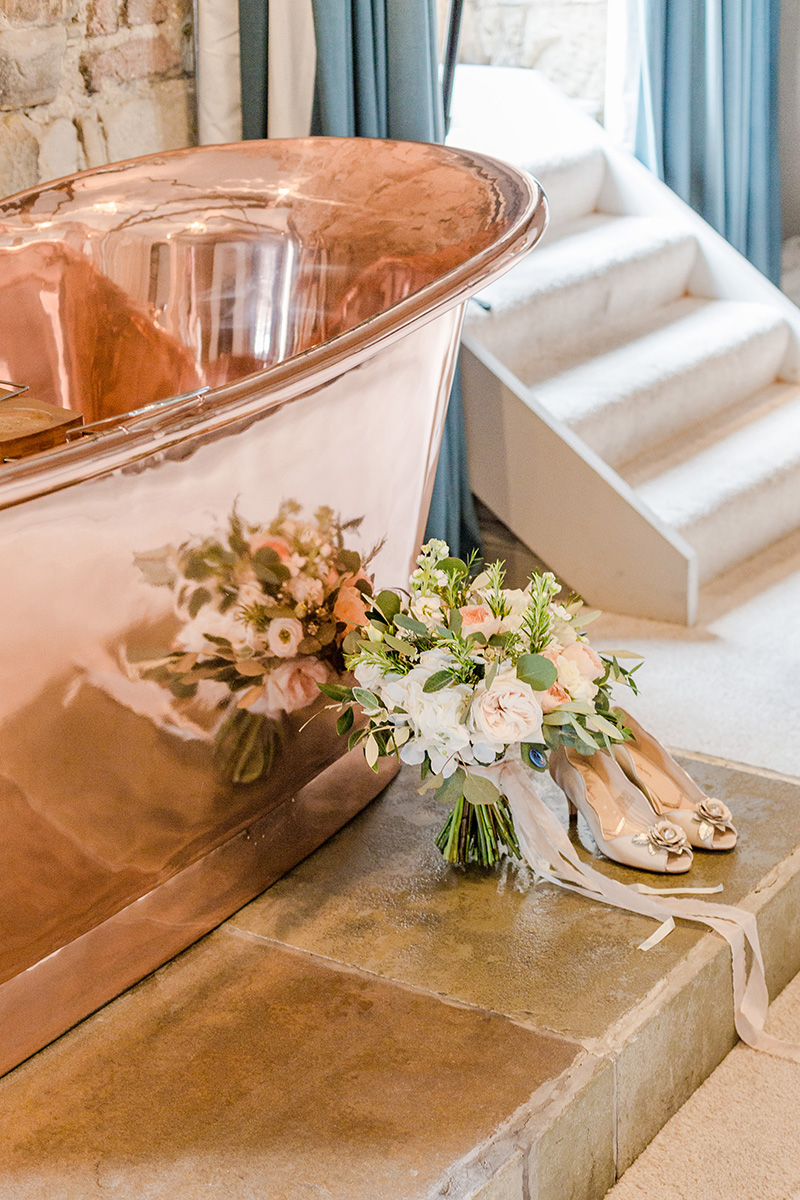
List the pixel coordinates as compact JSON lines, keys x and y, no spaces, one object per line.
{"x":240,"y":327}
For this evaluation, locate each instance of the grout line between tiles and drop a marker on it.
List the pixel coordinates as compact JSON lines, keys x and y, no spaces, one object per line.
{"x":442,"y":997}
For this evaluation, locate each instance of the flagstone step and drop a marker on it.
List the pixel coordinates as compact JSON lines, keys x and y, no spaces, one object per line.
{"x":741,"y":493}
{"x":379,"y":1024}
{"x":703,"y":357}
{"x":599,"y":271}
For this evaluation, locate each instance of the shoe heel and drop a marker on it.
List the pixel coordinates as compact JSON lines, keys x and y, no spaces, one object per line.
{"x":572,"y":810}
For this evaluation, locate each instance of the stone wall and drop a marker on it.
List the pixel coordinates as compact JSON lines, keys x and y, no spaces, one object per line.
{"x":86,"y":82}
{"x":565,"y":39}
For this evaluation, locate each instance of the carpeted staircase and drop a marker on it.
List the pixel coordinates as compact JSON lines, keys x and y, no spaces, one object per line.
{"x":632,"y":391}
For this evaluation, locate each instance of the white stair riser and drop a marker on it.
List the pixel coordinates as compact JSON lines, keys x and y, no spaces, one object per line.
{"x":571,"y":186}
{"x":633,"y":422}
{"x":564,"y":308}
{"x":746,"y":523}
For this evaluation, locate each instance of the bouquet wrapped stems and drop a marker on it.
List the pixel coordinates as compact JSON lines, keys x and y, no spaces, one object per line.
{"x":478,"y":833}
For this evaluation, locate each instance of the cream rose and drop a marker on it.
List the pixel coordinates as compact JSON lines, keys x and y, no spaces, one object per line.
{"x":284,"y":635}
{"x":583,"y":656}
{"x":508,"y":711}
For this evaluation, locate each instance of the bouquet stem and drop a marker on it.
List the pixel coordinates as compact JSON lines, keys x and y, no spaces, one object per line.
{"x":478,"y":833}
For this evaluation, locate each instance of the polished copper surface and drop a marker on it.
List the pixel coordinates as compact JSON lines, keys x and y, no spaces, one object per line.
{"x":239,"y":326}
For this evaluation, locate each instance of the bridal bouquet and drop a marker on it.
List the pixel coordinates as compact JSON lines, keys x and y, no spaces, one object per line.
{"x":265,"y":611}
{"x":466,"y":671}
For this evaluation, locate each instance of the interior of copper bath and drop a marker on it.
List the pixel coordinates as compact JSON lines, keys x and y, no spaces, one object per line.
{"x":198,"y":268}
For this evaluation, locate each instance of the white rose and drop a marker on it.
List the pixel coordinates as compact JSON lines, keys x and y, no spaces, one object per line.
{"x":284,"y":635}
{"x":506,"y":712}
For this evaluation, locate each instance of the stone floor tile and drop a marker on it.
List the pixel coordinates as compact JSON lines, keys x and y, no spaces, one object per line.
{"x":379,"y":896}
{"x":245,"y":1070}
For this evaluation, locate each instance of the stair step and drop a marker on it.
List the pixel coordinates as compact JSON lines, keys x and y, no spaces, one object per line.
{"x":565,"y":158}
{"x":705,"y":356}
{"x":599,"y":272}
{"x":736,"y":496}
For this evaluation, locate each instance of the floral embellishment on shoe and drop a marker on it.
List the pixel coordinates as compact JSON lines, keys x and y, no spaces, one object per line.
{"x":712,"y":816}
{"x":664,"y":836}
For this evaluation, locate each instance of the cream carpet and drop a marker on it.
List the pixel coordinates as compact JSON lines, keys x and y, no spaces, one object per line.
{"x":738,"y":1137}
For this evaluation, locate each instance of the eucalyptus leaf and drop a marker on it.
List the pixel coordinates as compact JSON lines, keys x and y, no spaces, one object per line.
{"x":455,"y":621}
{"x":431,"y":784}
{"x":410,"y":623}
{"x":452,"y":566}
{"x":437,"y":681}
{"x":335,"y":691}
{"x":368,"y":700}
{"x":388,"y":603}
{"x":451,"y":791}
{"x":350,"y":560}
{"x":479,"y":790}
{"x":397,"y":644}
{"x":200,"y":596}
{"x":538,"y":672}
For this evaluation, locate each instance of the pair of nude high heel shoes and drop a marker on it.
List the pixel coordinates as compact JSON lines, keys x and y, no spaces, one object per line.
{"x":642,"y":808}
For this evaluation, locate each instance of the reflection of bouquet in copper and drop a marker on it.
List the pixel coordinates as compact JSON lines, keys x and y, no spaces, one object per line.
{"x":266,"y":609}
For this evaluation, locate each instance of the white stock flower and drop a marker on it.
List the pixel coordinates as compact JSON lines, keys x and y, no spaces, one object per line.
{"x":561,"y":628}
{"x":428,"y":610}
{"x":506,"y":712}
{"x":306,"y":590}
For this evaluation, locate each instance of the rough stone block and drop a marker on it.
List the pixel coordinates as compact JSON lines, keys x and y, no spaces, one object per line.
{"x":90,"y":132}
{"x":148,"y":12}
{"x":30,"y":66}
{"x":160,"y":121}
{"x":507,"y":1184}
{"x":19,"y":155}
{"x":38,"y":12}
{"x":103,"y":17}
{"x":138,"y":59}
{"x":59,"y":150}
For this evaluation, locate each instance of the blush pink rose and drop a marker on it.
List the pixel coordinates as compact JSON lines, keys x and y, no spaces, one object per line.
{"x":350,"y":606}
{"x":293,"y":685}
{"x":583,"y":656}
{"x":552,"y":698}
{"x":477,"y":618}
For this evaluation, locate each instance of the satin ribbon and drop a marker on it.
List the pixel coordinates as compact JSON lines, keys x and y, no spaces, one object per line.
{"x":547,"y":849}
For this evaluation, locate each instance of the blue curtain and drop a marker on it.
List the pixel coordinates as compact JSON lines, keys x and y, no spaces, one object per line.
{"x":378,"y":76}
{"x":708,"y":115}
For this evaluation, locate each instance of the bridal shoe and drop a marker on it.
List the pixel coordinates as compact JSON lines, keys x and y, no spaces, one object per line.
{"x":672,"y":793}
{"x":619,"y":816}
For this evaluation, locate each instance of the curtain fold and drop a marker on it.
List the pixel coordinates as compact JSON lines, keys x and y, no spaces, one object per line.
{"x":708,"y":115}
{"x":378,"y":76}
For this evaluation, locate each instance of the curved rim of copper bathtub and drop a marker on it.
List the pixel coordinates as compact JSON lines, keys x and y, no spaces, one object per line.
{"x":206,"y":410}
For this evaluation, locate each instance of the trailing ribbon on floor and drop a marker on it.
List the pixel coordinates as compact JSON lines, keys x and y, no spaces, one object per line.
{"x":547,"y":849}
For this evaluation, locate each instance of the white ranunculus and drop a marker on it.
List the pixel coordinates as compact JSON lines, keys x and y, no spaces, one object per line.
{"x":284,"y":635}
{"x":506,"y":712}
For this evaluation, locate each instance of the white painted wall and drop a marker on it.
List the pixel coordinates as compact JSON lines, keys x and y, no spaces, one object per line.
{"x":789,"y":108}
